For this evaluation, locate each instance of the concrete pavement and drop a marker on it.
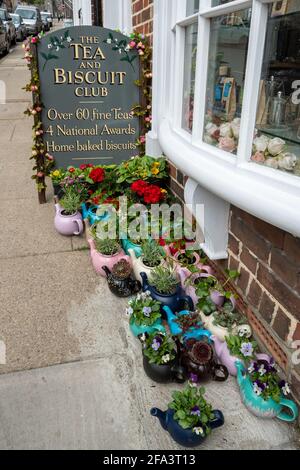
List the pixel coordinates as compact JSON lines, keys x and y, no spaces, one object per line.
{"x":74,"y":377}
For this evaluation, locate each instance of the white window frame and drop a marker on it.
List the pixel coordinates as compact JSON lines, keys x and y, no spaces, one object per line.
{"x":271,"y":195}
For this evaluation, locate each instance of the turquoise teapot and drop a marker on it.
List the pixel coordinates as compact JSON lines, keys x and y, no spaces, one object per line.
{"x":260,"y":407}
{"x":193,"y":333}
{"x":90,"y":213}
{"x":129,"y":245}
{"x":139,"y":330}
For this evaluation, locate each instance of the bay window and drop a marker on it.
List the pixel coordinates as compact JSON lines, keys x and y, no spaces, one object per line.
{"x":226,"y":101}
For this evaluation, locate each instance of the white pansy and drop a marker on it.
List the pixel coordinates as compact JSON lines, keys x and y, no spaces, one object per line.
{"x":165,"y":359}
{"x":287,"y":161}
{"x":207,"y":139}
{"x":211,"y":128}
{"x":276,"y":146}
{"x":257,"y":390}
{"x":225,"y":130}
{"x":69,"y":39}
{"x":272,"y":163}
{"x":262,"y":370}
{"x":261,"y":143}
{"x":148,"y":293}
{"x":286,"y":389}
{"x":199,"y":431}
{"x":251,"y":368}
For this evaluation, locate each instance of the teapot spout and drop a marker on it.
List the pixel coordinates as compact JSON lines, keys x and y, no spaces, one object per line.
{"x":240,"y":372}
{"x":145,"y":281}
{"x":161,"y":415}
{"x":57,"y":208}
{"x":132,"y":254}
{"x":169,"y":313}
{"x":106,"y":270}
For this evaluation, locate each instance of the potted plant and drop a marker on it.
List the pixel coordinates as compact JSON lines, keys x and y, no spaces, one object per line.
{"x":198,"y":287}
{"x":105,"y":252}
{"x":145,"y":316}
{"x":219,"y":294}
{"x":263,"y":392}
{"x":186,"y":323}
{"x":165,"y":288}
{"x":68,"y":220}
{"x":119,"y":279}
{"x":189,"y":418}
{"x":160,"y":359}
{"x":223,"y":321}
{"x":151,"y":258}
{"x":237,"y":347}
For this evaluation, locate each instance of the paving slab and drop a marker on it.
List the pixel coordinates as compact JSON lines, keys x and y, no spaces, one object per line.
{"x":16,"y":183}
{"x":29,"y":228}
{"x":15,"y":78}
{"x":78,"y":406}
{"x":46,"y":310}
{"x":11,"y":111}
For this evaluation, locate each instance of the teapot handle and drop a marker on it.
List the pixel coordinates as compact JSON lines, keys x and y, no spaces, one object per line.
{"x":79,"y":225}
{"x":218,"y":420}
{"x":178,"y":373}
{"x":293,"y":408}
{"x":223,"y":370}
{"x":187,"y":299}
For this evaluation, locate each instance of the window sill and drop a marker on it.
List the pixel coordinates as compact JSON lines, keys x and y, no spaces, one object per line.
{"x":258,"y":190}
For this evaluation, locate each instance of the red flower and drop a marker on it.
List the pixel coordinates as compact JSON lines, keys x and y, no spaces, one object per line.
{"x":153,"y":194}
{"x":139,"y":187}
{"x":162,"y":242}
{"x":97,"y":175}
{"x":90,"y":192}
{"x":90,"y":165}
{"x":72,"y":170}
{"x":96,"y":200}
{"x":83,"y":167}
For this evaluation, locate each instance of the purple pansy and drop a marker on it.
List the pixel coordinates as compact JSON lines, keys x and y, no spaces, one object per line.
{"x":157,"y":342}
{"x":147,"y":311}
{"x":247,"y":349}
{"x":194,"y":378}
{"x":196,"y":411}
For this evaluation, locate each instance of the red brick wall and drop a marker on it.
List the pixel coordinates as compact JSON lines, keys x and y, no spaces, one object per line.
{"x":142,"y":11}
{"x":267,"y":258}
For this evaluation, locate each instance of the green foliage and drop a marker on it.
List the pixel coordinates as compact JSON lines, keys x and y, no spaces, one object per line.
{"x":144,"y":310}
{"x":265,"y":378}
{"x":226,"y":317}
{"x":142,"y":168}
{"x":235,"y":342}
{"x":164,"y":279}
{"x":107,"y":246}
{"x":159,"y":349}
{"x":71,"y":201}
{"x":185,"y":403}
{"x":152,"y":253}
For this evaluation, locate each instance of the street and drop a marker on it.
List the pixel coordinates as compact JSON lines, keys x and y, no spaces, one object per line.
{"x":73,"y":377}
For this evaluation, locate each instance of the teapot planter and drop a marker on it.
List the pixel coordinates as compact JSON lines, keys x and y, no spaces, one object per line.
{"x":139,"y":266}
{"x":90,"y":214}
{"x":99,"y":260}
{"x":190,"y":289}
{"x":176,"y":330}
{"x":164,"y":373}
{"x":218,"y":298}
{"x":139,"y":330}
{"x":119,"y":286}
{"x":129,"y":245}
{"x":218,"y":331}
{"x":184,"y":437}
{"x":225,"y":357}
{"x":68,"y":225}
{"x":260,"y":407}
{"x":197,"y":359}
{"x":174,"y":301}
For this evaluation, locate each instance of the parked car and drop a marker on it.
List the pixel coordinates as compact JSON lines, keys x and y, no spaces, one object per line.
{"x":46,"y":25}
{"x":20,"y":27}
{"x":32,"y":18}
{"x":49,"y":17}
{"x":4,"y":41}
{"x":10,"y":27}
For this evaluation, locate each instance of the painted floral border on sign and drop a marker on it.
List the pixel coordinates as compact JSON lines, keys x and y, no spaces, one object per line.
{"x":56,"y":44}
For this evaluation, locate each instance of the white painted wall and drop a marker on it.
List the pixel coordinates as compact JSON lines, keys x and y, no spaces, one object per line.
{"x":86,"y":12}
{"x":117,"y":14}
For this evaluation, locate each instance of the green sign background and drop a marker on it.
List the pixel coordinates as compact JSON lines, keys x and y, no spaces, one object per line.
{"x":85,"y":119}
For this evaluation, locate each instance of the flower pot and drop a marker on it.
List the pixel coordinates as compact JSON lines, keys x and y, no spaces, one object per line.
{"x":197,"y":358}
{"x":138,"y":330}
{"x":139,"y":266}
{"x":121,"y":287}
{"x":175,"y":329}
{"x":68,"y":225}
{"x":190,"y":288}
{"x":219,"y":331}
{"x":260,"y":407}
{"x":184,"y":437}
{"x":219,"y":299}
{"x":175,"y":301}
{"x":128,"y":245}
{"x":164,"y":373}
{"x":99,"y":260}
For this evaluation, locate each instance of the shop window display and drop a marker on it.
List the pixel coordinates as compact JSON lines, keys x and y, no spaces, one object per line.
{"x":192,"y":6}
{"x":191,"y":36}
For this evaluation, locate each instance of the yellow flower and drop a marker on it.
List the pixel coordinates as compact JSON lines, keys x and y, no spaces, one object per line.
{"x":155,"y":171}
{"x":164,"y":191}
{"x":157,"y":163}
{"x":56,"y":173}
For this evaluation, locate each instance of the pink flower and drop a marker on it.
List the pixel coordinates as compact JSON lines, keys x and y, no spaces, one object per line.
{"x":141,"y":52}
{"x":132,"y":44}
{"x":38,"y":109}
{"x":258,"y":157}
{"x":143,"y":139}
{"x":227,"y":144}
{"x":40,"y":174}
{"x":34,"y":40}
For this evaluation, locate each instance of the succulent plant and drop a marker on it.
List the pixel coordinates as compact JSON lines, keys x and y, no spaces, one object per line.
{"x":122,"y":269}
{"x":164,"y":279}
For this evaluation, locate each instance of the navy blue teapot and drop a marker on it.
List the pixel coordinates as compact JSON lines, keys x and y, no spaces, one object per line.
{"x":176,"y":302}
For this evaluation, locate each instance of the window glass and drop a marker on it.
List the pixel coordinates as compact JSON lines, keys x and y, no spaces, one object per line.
{"x":226,"y":74}
{"x":216,"y":3}
{"x":277,"y":135}
{"x":192,"y":6}
{"x":190,"y":57}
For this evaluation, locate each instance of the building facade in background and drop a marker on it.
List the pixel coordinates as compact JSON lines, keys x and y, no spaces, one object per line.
{"x":226,"y":113}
